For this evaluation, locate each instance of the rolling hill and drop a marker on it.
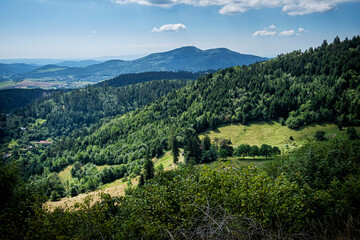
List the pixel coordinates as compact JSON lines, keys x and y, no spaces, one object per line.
{"x":16,"y":68}
{"x":182,"y":59}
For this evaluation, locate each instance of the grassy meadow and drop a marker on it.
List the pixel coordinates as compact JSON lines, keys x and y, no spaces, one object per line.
{"x":273,"y":133}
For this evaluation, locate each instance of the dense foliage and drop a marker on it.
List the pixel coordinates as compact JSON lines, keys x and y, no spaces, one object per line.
{"x":65,"y":111}
{"x":10,"y":99}
{"x":312,"y":192}
{"x":226,"y":202}
{"x":286,"y":88}
{"x":133,"y":78}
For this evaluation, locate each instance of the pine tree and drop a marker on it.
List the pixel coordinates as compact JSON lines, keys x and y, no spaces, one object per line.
{"x":206,"y":143}
{"x":141,"y":180}
{"x":148,"y":169}
{"x":174,"y":145}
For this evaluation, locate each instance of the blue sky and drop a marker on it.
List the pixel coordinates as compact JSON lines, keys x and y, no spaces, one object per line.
{"x":84,"y":29}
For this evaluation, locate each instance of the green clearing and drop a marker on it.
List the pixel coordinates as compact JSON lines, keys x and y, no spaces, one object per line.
{"x":50,"y":70}
{"x":237,"y":162}
{"x":117,"y":182}
{"x":273,"y":133}
{"x":167,"y":160}
{"x":40,"y":121}
{"x":7,"y":84}
{"x":41,"y":79}
{"x":65,"y":174}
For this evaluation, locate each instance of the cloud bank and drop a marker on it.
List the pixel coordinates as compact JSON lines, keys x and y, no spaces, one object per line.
{"x":231,"y":7}
{"x":271,"y":32}
{"x":169,"y":28}
{"x":263,"y":33}
{"x":288,"y":33}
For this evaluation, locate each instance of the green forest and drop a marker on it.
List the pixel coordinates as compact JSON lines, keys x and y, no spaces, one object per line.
{"x":312,"y":192}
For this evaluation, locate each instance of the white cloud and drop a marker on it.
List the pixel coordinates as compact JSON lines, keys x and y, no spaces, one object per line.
{"x":169,"y":27}
{"x":263,"y":33}
{"x":302,"y":30}
{"x":230,"y":7}
{"x":92,"y":32}
{"x":288,"y":33}
{"x":272,"y":26}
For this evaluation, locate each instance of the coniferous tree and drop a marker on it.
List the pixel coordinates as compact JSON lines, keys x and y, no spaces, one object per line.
{"x":149,"y":170}
{"x":141,"y":180}
{"x":351,"y":132}
{"x":206,"y":143}
{"x":174,"y":145}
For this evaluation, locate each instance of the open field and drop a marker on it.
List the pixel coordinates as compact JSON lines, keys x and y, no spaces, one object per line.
{"x":237,"y":162}
{"x":50,"y":70}
{"x":65,"y":174}
{"x":167,"y":160}
{"x":116,"y":188}
{"x":273,"y":133}
{"x":67,"y":202}
{"x":5,"y":84}
{"x":33,"y":84}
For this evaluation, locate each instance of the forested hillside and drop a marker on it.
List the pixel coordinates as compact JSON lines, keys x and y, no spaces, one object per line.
{"x":133,"y":78}
{"x":296,"y":89}
{"x":291,"y":88}
{"x":11,"y":99}
{"x":290,"y":198}
{"x":58,"y":114}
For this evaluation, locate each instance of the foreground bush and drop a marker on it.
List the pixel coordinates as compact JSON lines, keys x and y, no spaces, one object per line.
{"x":313,"y":194}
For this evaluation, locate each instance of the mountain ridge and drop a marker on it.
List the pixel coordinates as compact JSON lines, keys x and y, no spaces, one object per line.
{"x":186,"y":58}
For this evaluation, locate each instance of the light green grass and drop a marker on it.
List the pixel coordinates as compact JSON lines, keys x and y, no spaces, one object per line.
{"x":273,"y":133}
{"x":100,"y":168}
{"x":166,"y":160}
{"x":50,"y":70}
{"x":40,"y":121}
{"x":117,"y":182}
{"x":13,"y":144}
{"x":237,"y":162}
{"x":6,"y":84}
{"x":65,"y":174}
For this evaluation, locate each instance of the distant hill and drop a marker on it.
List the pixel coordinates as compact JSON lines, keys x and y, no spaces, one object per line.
{"x":16,"y":68}
{"x":189,"y":59}
{"x":82,"y":63}
{"x":181,"y":59}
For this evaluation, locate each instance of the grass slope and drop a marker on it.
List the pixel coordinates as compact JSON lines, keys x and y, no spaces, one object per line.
{"x":65,"y":174}
{"x":6,"y":84}
{"x":273,"y":133}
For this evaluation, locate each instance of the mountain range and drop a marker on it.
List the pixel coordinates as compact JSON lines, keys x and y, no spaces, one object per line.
{"x":182,"y":59}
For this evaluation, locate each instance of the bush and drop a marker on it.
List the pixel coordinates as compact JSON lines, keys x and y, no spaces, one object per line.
{"x":319,"y":136}
{"x":331,"y":169}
